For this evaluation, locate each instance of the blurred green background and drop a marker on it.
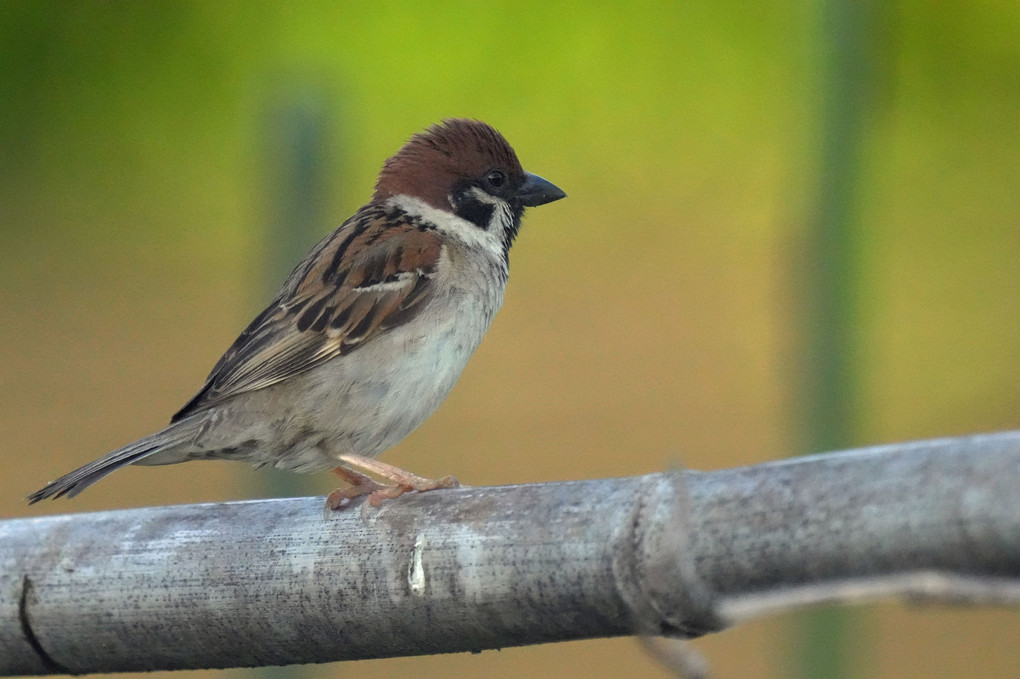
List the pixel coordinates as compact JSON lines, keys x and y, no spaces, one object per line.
{"x":654,"y":318}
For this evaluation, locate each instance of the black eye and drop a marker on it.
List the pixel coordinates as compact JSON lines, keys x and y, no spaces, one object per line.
{"x":495,"y":178}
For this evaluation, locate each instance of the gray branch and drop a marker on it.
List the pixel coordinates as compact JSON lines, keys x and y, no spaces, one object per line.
{"x":677,"y":554}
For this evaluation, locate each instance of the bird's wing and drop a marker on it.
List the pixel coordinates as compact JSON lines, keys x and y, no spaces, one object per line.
{"x":368,"y":276}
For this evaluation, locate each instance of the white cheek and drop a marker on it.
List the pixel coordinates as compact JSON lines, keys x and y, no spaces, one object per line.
{"x":502,"y":219}
{"x":489,"y":239}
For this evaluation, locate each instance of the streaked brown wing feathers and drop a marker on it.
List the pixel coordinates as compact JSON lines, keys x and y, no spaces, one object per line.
{"x":362,"y":279}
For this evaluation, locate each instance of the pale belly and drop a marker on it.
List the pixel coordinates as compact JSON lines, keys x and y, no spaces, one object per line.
{"x":362,"y":403}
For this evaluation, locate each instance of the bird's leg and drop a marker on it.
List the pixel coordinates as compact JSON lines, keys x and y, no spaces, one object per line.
{"x":403,"y":480}
{"x":360,"y":485}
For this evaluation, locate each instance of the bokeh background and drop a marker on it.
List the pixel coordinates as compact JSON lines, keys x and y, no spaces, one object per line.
{"x":162,"y":163}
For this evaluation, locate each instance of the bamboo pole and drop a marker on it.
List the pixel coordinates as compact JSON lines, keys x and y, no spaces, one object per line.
{"x":678,"y":554}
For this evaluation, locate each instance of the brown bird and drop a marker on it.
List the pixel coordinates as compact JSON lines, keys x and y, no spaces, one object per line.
{"x":369,"y":332}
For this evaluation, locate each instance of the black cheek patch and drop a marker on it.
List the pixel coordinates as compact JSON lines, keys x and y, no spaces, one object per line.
{"x":475,"y":211}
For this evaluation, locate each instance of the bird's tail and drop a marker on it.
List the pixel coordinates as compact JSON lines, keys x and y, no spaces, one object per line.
{"x":177,"y":434}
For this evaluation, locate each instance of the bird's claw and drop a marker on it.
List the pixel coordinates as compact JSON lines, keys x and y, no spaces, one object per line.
{"x":377,"y":492}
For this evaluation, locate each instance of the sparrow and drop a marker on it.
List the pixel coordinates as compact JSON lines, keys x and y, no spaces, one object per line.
{"x":370,"y":331}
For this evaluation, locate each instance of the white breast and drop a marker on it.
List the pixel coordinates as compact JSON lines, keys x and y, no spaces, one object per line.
{"x":371,"y":399}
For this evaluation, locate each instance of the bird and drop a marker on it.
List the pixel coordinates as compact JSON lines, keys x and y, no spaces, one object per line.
{"x":369,"y":332}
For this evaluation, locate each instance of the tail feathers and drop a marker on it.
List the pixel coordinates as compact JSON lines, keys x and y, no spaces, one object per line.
{"x":75,"y":482}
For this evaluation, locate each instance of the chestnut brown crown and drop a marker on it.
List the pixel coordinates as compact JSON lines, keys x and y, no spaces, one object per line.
{"x":456,"y":152}
{"x":433,"y":162}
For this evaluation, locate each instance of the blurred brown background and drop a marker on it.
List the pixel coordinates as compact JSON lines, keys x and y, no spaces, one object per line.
{"x":150,"y":152}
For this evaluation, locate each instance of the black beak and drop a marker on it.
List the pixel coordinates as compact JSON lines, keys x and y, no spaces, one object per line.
{"x":536,"y":191}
